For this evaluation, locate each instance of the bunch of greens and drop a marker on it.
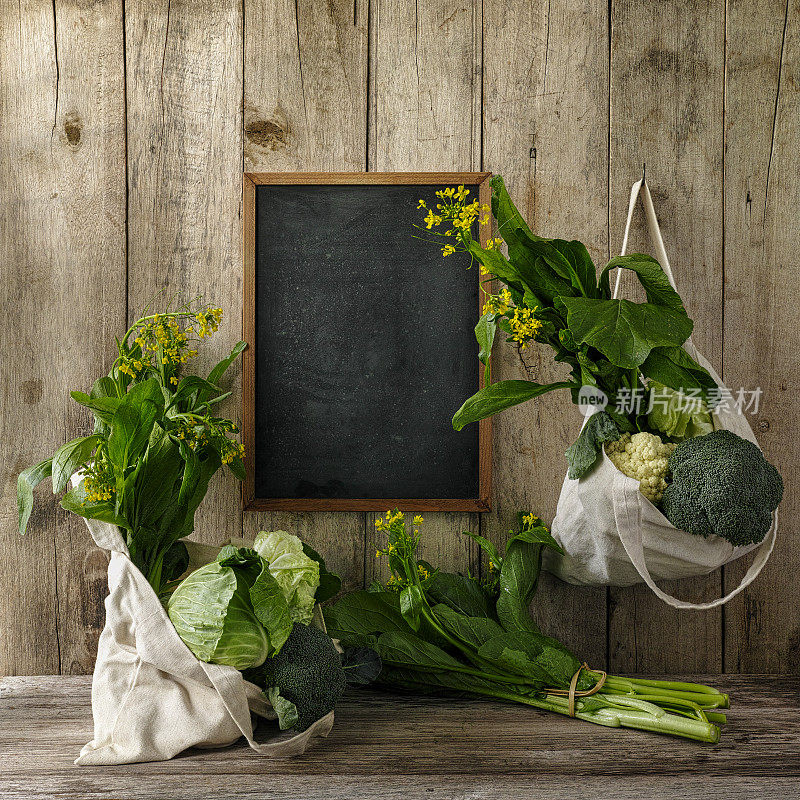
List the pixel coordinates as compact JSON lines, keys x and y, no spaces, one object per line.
{"x":442,"y":633}
{"x":551,"y":295}
{"x":254,"y":609}
{"x":156,"y":442}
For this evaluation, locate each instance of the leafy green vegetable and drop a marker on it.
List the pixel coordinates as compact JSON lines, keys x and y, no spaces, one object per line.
{"x":499,"y":396}
{"x":623,"y":331}
{"x":295,"y":572}
{"x":582,"y":455}
{"x":678,"y":416}
{"x":495,"y":649}
{"x":330,"y":584}
{"x":156,"y":442}
{"x":361,"y":666}
{"x":231,"y":611}
{"x":552,"y":295}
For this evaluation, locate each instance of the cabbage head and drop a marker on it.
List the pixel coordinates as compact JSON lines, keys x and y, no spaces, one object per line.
{"x":296,"y":573}
{"x":677,"y":415}
{"x":231,"y":611}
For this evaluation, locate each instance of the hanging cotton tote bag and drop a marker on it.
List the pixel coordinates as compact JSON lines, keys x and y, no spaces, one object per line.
{"x":612,"y":535}
{"x":151,"y":698}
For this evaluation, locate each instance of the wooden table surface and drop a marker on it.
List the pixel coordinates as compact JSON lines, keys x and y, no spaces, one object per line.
{"x":398,"y":747}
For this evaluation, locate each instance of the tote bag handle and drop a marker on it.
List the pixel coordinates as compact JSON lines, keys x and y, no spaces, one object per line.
{"x":627,"y":513}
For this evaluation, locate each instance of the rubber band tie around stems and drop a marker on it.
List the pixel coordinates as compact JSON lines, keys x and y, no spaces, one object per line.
{"x":573,"y":685}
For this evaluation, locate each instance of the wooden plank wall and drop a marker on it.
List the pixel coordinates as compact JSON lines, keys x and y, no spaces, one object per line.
{"x":124,"y":129}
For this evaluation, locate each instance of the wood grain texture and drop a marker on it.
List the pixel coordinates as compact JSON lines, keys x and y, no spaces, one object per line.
{"x":217,"y":87}
{"x":762,"y":338}
{"x":666,"y":110}
{"x":538,"y":85}
{"x":425,"y":104}
{"x":385,"y":746}
{"x":184,"y":92}
{"x":62,"y":270}
{"x":305,"y":102}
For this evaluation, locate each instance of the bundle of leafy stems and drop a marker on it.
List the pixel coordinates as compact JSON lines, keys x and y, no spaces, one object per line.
{"x":442,"y":633}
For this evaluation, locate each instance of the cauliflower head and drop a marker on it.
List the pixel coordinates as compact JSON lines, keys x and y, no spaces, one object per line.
{"x":644,"y":457}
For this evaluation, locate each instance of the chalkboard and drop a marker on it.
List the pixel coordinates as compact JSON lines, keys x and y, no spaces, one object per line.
{"x":361,"y":347}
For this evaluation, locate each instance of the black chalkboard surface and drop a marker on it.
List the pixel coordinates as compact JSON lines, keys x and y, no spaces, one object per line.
{"x":361,"y":347}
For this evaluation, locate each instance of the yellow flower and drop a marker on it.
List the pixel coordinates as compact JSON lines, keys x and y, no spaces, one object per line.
{"x":499,"y":303}
{"x":448,"y":249}
{"x":173,"y":380}
{"x":531,"y":520}
{"x":524,"y":326}
{"x":421,"y":204}
{"x":418,"y":520}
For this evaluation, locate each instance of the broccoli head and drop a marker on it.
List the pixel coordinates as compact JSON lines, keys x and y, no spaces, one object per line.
{"x":721,"y":484}
{"x":305,"y":680}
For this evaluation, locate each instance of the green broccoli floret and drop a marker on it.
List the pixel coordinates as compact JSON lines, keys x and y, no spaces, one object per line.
{"x":307,"y":672}
{"x":721,"y":484}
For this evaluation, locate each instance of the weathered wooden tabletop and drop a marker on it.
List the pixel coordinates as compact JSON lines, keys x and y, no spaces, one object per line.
{"x":391,"y":747}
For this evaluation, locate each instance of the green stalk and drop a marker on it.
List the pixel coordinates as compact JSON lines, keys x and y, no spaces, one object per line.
{"x":615,"y":717}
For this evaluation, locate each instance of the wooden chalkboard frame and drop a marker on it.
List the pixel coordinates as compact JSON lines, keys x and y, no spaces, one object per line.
{"x":249,"y":500}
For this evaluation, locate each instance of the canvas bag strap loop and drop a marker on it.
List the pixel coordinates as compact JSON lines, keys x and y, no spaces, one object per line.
{"x":640,"y":187}
{"x":627,"y":509}
{"x":627,"y":512}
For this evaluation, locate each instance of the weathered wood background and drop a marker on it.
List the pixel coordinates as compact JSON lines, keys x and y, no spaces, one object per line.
{"x":124,"y":129}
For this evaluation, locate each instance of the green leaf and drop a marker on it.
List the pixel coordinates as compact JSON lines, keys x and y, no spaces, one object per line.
{"x":538,"y":535}
{"x":539,"y":264}
{"x":407,"y":650}
{"x":270,"y":607}
{"x":133,"y":422}
{"x":191,"y":384}
{"x":675,"y":368}
{"x":237,"y":468}
{"x":532,"y":655}
{"x":27,"y":481}
{"x":472,"y":630}
{"x":411,"y":601}
{"x":70,"y":456}
{"x":460,"y":593}
{"x":487,"y":547}
{"x":358,"y":616}
{"x":625,"y":332}
{"x":650,"y":274}
{"x":285,"y":709}
{"x":103,"y":387}
{"x":485,"y":332}
{"x":103,"y":408}
{"x":221,"y":368}
{"x":500,"y":396}
{"x":75,"y":501}
{"x":584,"y":452}
{"x":498,"y":265}
{"x":518,"y":578}
{"x":582,"y":272}
{"x":176,"y":562}
{"x":361,"y":665}
{"x":330,"y":584}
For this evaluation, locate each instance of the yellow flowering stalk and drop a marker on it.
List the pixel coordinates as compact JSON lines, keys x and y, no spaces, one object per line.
{"x":400,"y":549}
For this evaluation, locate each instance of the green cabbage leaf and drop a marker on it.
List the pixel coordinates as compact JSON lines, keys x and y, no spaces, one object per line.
{"x":296,"y":573}
{"x":676,"y":415}
{"x":231,"y":611}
